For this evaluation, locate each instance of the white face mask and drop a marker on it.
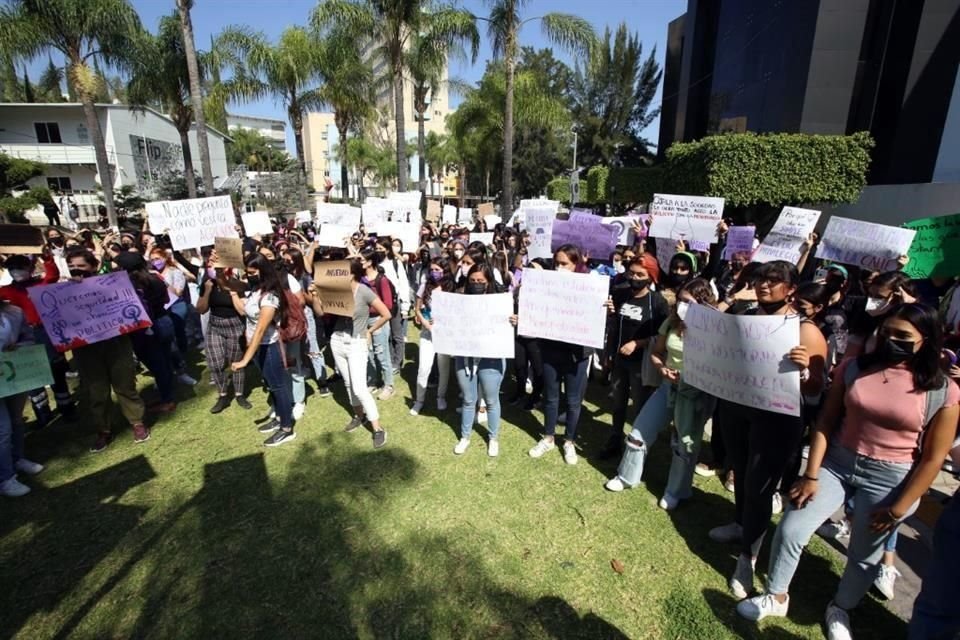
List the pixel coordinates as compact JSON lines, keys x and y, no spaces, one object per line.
{"x":682,"y":308}
{"x":619,"y":267}
{"x":458,"y":254}
{"x":877,"y":306}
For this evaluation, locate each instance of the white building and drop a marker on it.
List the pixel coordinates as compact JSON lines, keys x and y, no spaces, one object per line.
{"x":141,"y":145}
{"x":273,"y":130}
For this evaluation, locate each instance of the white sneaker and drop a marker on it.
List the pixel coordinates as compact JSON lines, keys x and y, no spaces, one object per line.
{"x":482,"y":416}
{"x":760,"y":607}
{"x":416,"y":408}
{"x":741,"y":582}
{"x":12,"y":488}
{"x":837,"y":621}
{"x":732,"y":532}
{"x":186,"y":379}
{"x":298,"y":410}
{"x":886,"y":578}
{"x":528,"y":387}
{"x":28,"y":467}
{"x":834,"y":530}
{"x":441,"y":404}
{"x":668,"y":502}
{"x":461,"y":447}
{"x":541,"y":448}
{"x":493,"y":448}
{"x":615,"y":484}
{"x":777,"y":503}
{"x":569,"y":453}
{"x":704,"y":471}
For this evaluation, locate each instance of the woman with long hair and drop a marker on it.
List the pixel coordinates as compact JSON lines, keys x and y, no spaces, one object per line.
{"x":297,"y":262}
{"x":379,"y":357}
{"x":439,"y":278}
{"x":395,"y":268}
{"x":178,"y":308}
{"x":888,"y":424}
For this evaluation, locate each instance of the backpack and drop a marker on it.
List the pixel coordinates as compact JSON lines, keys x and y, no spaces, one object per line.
{"x":392,"y":300}
{"x":293,"y":325}
{"x":935,"y":399}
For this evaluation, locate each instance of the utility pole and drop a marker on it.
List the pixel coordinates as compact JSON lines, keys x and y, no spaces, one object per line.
{"x":574,"y":174}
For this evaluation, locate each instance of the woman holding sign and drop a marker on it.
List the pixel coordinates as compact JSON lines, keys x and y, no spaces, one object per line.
{"x":439,"y":278}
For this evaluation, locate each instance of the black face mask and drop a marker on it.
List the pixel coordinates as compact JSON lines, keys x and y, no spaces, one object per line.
{"x":57,"y":242}
{"x":475,"y":288}
{"x":894,"y":351}
{"x":639,"y":285}
{"x":80,"y":273}
{"x":771,"y":308}
{"x":833,"y":285}
{"x":253,"y":281}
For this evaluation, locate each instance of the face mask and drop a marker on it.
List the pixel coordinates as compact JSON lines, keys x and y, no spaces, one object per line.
{"x":475,"y":288}
{"x":771,"y":308}
{"x":436,"y":276}
{"x":737,"y":265}
{"x":894,"y":351}
{"x":458,"y":254}
{"x":253,"y":281}
{"x":618,"y":267}
{"x":639,"y":285}
{"x":158,"y":264}
{"x":212,"y":273}
{"x":19,"y":275}
{"x":80,"y":273}
{"x":877,"y":306}
{"x":682,"y":308}
{"x":57,"y":242}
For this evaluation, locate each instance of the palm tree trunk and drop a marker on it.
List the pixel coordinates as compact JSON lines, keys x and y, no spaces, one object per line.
{"x":463,"y":184}
{"x":421,"y":151}
{"x":344,"y":172}
{"x":100,"y":151}
{"x":506,"y":202}
{"x":401,"y":132}
{"x":296,"y":118}
{"x":486,"y":179}
{"x":188,"y":173}
{"x":196,"y":96}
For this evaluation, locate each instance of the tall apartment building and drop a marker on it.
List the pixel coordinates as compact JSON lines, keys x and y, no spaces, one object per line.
{"x":272,"y":129}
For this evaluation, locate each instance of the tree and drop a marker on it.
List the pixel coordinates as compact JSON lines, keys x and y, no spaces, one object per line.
{"x":250,"y":148}
{"x":14,"y":173}
{"x":28,"y":95}
{"x":505,"y":23}
{"x":49,"y":88}
{"x":613,"y":93}
{"x":80,"y":30}
{"x":398,"y":21}
{"x":196,"y":94}
{"x":440,"y":155}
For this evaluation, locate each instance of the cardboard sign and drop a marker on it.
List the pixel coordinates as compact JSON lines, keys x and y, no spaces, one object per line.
{"x":743,"y":359}
{"x":864,"y":244}
{"x":564,"y":306}
{"x":540,"y":222}
{"x":786,"y":238}
{"x":24,"y":369}
{"x":475,"y":326}
{"x":596,"y":240}
{"x":336,"y":287}
{"x":98,"y":308}
{"x":686,"y":217}
{"x":936,"y":247}
{"x":434,"y":211}
{"x":229,"y":253}
{"x":20,"y":238}
{"x":486,"y":209}
{"x":739,"y":240}
{"x":193,"y":223}
{"x":256,"y":222}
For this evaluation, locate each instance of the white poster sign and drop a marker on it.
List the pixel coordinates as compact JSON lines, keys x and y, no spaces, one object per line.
{"x":743,"y":359}
{"x":449,"y":214}
{"x":342,"y":214}
{"x":786,"y":238}
{"x":485,"y":238}
{"x":476,"y":326}
{"x":539,"y":222}
{"x":686,"y":217}
{"x":864,"y":244}
{"x":464,"y":216}
{"x":334,"y":235}
{"x":303,"y":216}
{"x":193,"y":223}
{"x":564,"y":306}
{"x":491,"y":221}
{"x":407,"y":232}
{"x":624,"y":226}
{"x":256,"y":222}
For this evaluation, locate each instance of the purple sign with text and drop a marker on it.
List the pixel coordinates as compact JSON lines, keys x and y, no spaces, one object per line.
{"x":596,"y":240}
{"x":739,"y":240}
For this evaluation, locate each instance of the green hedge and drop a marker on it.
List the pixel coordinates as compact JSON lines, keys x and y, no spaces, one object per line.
{"x":559,"y":189}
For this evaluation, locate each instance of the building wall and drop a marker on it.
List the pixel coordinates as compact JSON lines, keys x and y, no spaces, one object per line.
{"x":671,"y":84}
{"x":320,"y":138}
{"x":270,"y":128}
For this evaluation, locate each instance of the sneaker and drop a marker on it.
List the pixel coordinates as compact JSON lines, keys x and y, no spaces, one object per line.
{"x":741,"y":582}
{"x":837,"y":621}
{"x":886,"y":578}
{"x":569,"y":453}
{"x":163,"y":407}
{"x":416,"y":408}
{"x":668,"y":502}
{"x":269,"y":427}
{"x":728,"y":484}
{"x":760,"y":607}
{"x":279,"y":437}
{"x":373,"y":390}
{"x":493,"y":448}
{"x":140,"y":433}
{"x":324,"y":391}
{"x":482,"y":416}
{"x":704,"y":471}
{"x":186,"y":379}
{"x":68,"y":410}
{"x":73,"y":374}
{"x":298,"y":409}
{"x":386,"y":393}
{"x":728,"y":533}
{"x":103,"y":439}
{"x":32,"y":468}
{"x":441,"y":404}
{"x":222,"y":403}
{"x":379,"y":438}
{"x":13,"y":488}
{"x":615,"y":484}
{"x":834,"y":530}
{"x":777,"y":503}
{"x":462,"y":446}
{"x":354,"y":423}
{"x":541,"y":448}
{"x":243,"y":403}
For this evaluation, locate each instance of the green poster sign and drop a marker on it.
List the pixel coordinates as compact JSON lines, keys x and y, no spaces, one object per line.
{"x":936,"y":247}
{"x":24,"y":369}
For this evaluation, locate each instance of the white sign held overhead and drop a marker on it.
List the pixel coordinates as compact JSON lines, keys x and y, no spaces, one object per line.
{"x":474,"y":326}
{"x":407,"y":233}
{"x":256,"y":222}
{"x":193,"y":223}
{"x":341,"y":214}
{"x":540,"y":225}
{"x":564,"y":306}
{"x":685,"y":217}
{"x":449,"y":214}
{"x":485,"y":238}
{"x":334,"y":235}
{"x":786,"y":238}
{"x":304,"y":216}
{"x":864,"y":244}
{"x":464,"y":216}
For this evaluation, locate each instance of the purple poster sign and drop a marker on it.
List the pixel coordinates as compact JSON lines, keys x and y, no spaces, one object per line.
{"x":76,"y":314}
{"x":739,"y":240}
{"x":594,"y":239}
{"x":584,"y":215}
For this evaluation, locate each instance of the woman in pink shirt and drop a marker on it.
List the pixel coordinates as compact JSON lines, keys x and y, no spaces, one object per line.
{"x":875,"y":443}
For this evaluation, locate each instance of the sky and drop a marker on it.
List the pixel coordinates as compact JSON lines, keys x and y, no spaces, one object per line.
{"x":647,"y":18}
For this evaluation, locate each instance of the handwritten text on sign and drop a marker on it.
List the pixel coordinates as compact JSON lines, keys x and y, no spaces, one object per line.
{"x":540,"y":225}
{"x":936,"y":248}
{"x":336,"y":287}
{"x":193,"y":223}
{"x":593,"y":238}
{"x":76,"y":314}
{"x":476,"y":326}
{"x":743,"y":358}
{"x":564,"y":306}
{"x":24,"y":369}
{"x":685,"y":217}
{"x":786,"y":238}
{"x":864,"y":244}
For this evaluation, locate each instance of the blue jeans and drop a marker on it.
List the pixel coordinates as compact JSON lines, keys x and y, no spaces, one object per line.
{"x":480,"y":375}
{"x":295,"y":369}
{"x":935,"y":612}
{"x":150,"y":350}
{"x":379,"y":357}
{"x":11,"y":434}
{"x":178,"y":312}
{"x":653,"y":418}
{"x":692,"y":409}
{"x":166,"y":332}
{"x":315,"y":353}
{"x":574,"y":378}
{"x":270,"y":362}
{"x":844,"y":475}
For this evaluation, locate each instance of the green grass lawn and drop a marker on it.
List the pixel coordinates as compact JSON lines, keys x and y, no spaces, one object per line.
{"x":203,"y":532}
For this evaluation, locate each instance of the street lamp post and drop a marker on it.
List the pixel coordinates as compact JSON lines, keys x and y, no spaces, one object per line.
{"x":574,"y":174}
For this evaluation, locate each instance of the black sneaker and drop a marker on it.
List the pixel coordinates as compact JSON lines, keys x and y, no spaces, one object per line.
{"x":68,"y":410}
{"x":281,"y":436}
{"x":269,"y":427}
{"x":379,"y":438}
{"x":354,"y":423}
{"x":336,"y":377}
{"x":222,"y":403}
{"x":243,"y":403}
{"x":324,"y":391}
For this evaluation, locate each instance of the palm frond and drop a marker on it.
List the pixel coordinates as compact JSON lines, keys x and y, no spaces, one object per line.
{"x":568,"y":31}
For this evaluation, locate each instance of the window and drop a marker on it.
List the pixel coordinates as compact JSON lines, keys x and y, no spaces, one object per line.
{"x":59,"y":184}
{"x":326,"y":174}
{"x":47,"y":132}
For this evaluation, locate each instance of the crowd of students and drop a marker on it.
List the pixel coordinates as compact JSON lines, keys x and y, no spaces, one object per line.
{"x":875,"y":355}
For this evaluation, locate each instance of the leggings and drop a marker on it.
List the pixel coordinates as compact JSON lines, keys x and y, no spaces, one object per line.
{"x":224,"y":342}
{"x":573,"y":374}
{"x":528,"y":363}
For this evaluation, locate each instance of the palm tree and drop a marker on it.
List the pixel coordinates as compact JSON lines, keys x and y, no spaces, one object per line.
{"x":437,"y":152}
{"x":397,"y":21}
{"x":82,"y":31}
{"x":49,"y":86}
{"x":196,"y":94}
{"x":504,"y":25}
